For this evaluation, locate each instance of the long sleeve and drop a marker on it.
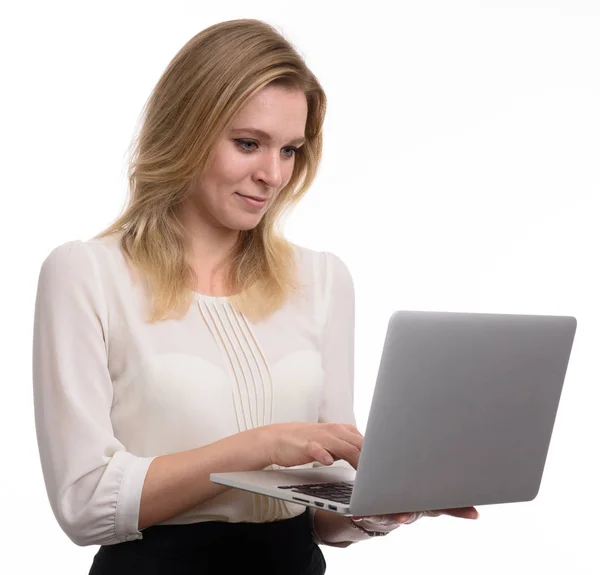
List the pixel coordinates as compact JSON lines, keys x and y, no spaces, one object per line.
{"x":94,"y":485}
{"x":337,"y":401}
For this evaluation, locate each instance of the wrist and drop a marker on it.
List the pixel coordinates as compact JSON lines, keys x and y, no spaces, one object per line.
{"x":261,"y":442}
{"x":335,"y":530}
{"x":366,"y":533}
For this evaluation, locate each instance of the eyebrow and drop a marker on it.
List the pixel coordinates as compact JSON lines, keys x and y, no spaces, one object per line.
{"x":264,"y":135}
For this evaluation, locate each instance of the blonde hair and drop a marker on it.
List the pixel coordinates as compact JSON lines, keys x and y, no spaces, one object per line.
{"x":194,"y":102}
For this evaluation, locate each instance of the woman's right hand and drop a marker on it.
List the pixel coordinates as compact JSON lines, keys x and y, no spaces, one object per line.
{"x":298,"y":443}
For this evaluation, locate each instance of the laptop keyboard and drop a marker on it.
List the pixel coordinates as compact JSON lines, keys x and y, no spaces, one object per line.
{"x":339,"y":491}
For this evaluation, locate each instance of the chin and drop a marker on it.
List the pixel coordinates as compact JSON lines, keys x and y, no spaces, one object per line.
{"x":245,"y":224}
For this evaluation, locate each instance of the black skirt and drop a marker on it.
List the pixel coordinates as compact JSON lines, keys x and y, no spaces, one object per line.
{"x":282,"y":547}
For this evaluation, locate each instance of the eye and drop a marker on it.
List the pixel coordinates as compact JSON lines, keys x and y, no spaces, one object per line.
{"x":292,"y":153}
{"x":244,"y":146}
{"x":243,"y":143}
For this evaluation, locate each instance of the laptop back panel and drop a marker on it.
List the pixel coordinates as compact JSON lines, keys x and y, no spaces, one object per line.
{"x":463,"y":410}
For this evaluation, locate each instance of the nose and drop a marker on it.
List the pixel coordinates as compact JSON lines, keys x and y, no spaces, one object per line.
{"x":270,"y":170}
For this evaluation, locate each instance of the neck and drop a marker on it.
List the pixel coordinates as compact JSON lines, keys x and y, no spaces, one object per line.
{"x":210,"y":247}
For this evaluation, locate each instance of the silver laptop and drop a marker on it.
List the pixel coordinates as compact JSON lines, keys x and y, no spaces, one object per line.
{"x":462,"y":414}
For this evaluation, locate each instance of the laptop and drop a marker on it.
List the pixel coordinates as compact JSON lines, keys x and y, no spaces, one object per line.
{"x":462,"y":415}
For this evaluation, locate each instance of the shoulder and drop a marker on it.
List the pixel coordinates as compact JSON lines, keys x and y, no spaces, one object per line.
{"x":64,"y":260}
{"x":67,"y":282}
{"x":77,"y":263}
{"x":73,"y":255}
{"x":315,"y":258}
{"x":323,"y":269}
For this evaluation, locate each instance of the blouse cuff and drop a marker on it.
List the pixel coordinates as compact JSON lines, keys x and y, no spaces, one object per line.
{"x":130,"y":494}
{"x":315,"y":536}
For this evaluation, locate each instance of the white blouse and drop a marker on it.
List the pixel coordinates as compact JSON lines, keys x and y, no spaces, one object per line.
{"x":111,"y":391}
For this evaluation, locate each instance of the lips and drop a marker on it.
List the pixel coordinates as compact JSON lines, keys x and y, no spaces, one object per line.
{"x":258,"y":199}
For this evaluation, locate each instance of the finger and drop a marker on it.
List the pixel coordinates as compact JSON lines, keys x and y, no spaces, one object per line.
{"x":435,"y":513}
{"x":377,"y":522}
{"x":346,"y":432}
{"x":407,"y":518}
{"x":318,"y":453}
{"x":398,"y":517}
{"x":462,"y":512}
{"x":347,"y":448}
{"x":352,"y":429}
{"x":334,"y":449}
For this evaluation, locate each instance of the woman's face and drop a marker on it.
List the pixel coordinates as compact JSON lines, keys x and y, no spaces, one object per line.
{"x":253,"y":162}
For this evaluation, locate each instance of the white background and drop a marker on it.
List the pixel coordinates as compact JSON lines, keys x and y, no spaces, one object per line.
{"x":460,"y":173}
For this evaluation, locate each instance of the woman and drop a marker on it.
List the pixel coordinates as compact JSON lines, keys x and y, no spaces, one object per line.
{"x":190,"y":337}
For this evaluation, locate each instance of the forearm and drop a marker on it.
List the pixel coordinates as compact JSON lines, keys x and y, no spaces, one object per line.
{"x":178,"y":482}
{"x":336,"y":530}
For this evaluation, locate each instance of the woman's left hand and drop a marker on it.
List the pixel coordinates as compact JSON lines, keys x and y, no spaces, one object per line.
{"x":390,"y":522}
